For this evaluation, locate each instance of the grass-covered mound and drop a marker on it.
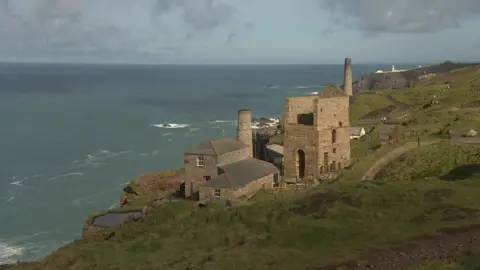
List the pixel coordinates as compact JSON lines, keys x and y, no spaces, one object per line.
{"x":444,"y":161}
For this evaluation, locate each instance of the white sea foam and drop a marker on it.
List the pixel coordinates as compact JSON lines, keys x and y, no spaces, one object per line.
{"x":310,"y":86}
{"x":167,"y":134}
{"x":8,"y":199}
{"x":171,"y":125}
{"x":19,"y":247}
{"x":9,"y":253}
{"x":225,"y":121}
{"x":94,"y":159}
{"x":65,"y":175}
{"x":16,"y":183}
{"x":314,"y":93}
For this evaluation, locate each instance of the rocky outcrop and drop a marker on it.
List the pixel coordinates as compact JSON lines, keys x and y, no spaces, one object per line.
{"x":406,"y":79}
{"x":109,"y":219}
{"x":143,"y":191}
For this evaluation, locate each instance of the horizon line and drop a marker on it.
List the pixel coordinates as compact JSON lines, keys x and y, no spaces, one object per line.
{"x":223,"y":64}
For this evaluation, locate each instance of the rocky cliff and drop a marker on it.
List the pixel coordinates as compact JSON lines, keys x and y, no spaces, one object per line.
{"x":401,"y":80}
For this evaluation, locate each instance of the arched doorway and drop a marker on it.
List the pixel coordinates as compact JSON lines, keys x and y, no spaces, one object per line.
{"x":301,"y":163}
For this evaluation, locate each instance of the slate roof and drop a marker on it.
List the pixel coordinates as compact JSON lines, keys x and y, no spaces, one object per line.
{"x":217,"y":147}
{"x":239,"y":174}
{"x":332,"y":91}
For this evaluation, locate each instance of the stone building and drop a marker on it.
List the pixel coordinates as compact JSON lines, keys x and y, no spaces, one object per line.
{"x":317,"y":133}
{"x":224,"y":168}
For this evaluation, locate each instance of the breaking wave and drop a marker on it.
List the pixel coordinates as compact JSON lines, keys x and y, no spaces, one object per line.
{"x":170,"y":125}
{"x":65,"y":175}
{"x":310,"y":86}
{"x":26,"y":247}
{"x":9,"y":253}
{"x":224,"y":121}
{"x":95,"y":159}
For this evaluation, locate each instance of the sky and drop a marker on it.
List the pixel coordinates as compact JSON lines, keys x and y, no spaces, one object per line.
{"x":239,"y":31}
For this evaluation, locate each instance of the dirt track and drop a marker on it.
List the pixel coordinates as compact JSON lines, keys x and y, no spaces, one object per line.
{"x":447,"y":245}
{"x":397,"y":152}
{"x":392,"y":155}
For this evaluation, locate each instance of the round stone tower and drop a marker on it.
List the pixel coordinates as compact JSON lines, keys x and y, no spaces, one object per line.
{"x":347,"y":79}
{"x":244,"y":129}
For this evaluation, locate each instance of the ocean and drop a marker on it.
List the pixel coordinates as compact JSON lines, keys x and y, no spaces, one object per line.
{"x":71,"y":136}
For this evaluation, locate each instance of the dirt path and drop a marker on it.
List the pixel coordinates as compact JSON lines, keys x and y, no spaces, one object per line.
{"x":447,"y":245}
{"x":392,"y":155}
{"x":397,"y":152}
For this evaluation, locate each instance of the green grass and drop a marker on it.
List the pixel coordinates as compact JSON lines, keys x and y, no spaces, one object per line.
{"x":366,"y":102}
{"x":331,"y":223}
{"x":276,"y":139}
{"x":434,"y":161}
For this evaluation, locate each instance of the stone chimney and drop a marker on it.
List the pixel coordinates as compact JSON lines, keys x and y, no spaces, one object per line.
{"x":347,"y":77}
{"x":244,"y":129}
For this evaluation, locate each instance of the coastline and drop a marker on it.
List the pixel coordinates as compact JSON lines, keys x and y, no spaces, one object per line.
{"x":267,"y":128}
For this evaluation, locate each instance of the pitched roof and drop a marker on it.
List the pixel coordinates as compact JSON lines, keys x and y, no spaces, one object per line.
{"x":332,"y":91}
{"x":217,"y":147}
{"x":276,"y":148}
{"x":240,"y":173}
{"x":356,"y":131}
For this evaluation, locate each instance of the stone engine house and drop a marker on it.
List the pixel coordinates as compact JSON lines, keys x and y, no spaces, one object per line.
{"x":317,"y":134}
{"x":225,"y":169}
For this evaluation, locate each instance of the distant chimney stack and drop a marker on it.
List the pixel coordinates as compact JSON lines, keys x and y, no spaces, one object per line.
{"x":347,"y":77}
{"x":244,"y":129}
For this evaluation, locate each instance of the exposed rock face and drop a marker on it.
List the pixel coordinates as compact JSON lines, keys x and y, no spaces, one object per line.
{"x":401,"y":80}
{"x":109,"y":219}
{"x":471,"y":133}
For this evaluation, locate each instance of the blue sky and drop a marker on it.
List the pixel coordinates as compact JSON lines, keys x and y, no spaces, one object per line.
{"x":239,"y":31}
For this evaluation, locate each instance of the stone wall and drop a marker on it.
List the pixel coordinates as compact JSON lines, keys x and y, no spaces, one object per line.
{"x":233,"y":156}
{"x":304,"y":138}
{"x":206,"y":193}
{"x":194,"y":174}
{"x":298,"y":105}
{"x":326,"y":143}
{"x":333,"y":112}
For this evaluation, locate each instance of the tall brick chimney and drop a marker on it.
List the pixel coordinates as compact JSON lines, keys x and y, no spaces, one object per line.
{"x":347,"y":77}
{"x":244,"y":129}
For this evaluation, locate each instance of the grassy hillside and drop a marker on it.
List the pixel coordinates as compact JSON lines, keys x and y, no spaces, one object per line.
{"x":327,"y":224}
{"x":423,"y":191}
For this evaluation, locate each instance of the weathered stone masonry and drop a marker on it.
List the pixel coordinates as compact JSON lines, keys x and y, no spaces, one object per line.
{"x":317,"y":134}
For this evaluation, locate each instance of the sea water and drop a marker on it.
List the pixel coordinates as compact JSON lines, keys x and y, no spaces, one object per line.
{"x":71,"y":136}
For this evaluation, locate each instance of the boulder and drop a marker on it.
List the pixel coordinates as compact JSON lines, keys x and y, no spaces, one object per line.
{"x":471,"y":133}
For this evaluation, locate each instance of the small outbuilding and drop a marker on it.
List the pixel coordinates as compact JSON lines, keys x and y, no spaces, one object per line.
{"x":238,"y":179}
{"x":357,"y":132}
